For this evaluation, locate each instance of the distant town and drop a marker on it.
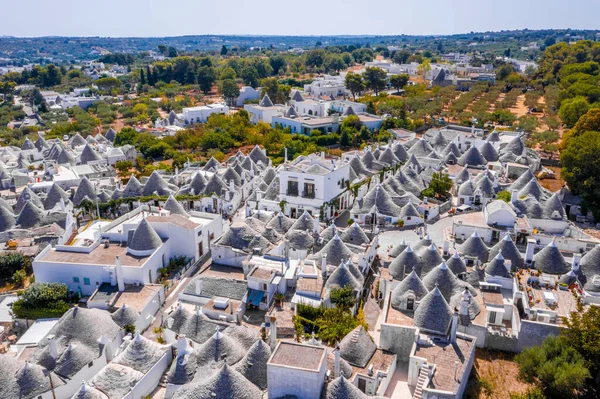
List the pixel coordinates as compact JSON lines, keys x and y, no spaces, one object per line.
{"x":300,"y":217}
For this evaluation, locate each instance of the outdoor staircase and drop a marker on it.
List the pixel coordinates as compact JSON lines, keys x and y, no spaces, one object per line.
{"x":163,"y":381}
{"x":423,"y":376}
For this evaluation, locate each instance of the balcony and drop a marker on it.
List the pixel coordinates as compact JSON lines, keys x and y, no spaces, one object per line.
{"x":292,"y":193}
{"x":308,"y":195}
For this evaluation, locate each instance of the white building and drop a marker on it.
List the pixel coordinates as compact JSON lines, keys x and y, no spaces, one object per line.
{"x":200,"y":114}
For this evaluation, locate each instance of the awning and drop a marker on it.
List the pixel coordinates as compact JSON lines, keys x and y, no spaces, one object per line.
{"x":494,"y":309}
{"x":255,"y":296}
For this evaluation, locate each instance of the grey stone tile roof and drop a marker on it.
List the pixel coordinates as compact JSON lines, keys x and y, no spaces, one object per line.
{"x":133,"y":188}
{"x":110,"y":134}
{"x":253,"y":365}
{"x":411,"y":286}
{"x":297,"y":96}
{"x":400,"y":152}
{"x":450,"y":159}
{"x":7,"y":219}
{"x":472,"y":157}
{"x":424,"y":242}
{"x":304,"y":222}
{"x":125,"y":315}
{"x":553,"y":208}
{"x":77,"y":140}
{"x":452,"y":148}
{"x":91,"y":140}
{"x":41,"y":144}
{"x":224,"y":384}
{"x":212,"y":287}
{"x":408,"y":210}
{"x":55,"y":194}
{"x":272,"y":193}
{"x":376,"y":200}
{"x":360,"y":169}
{"x":30,"y":216}
{"x":101,"y":139}
{"x":243,"y":335}
{"x":27,"y":196}
{"x":533,"y":188}
{"x":156,"y":184}
{"x":496,"y":267}
{"x":357,"y":347}
{"x":475,"y":247}
{"x":88,"y":392}
{"x":257,"y":156}
{"x":183,"y":368}
{"x":340,"y":278}
{"x":88,"y":155}
{"x":388,"y":157}
{"x":269,"y":175}
{"x":438,"y":141}
{"x":442,"y":277}
{"x":467,"y":188}
{"x":433,"y":313}
{"x":429,"y":258}
{"x":175,"y":207}
{"x":516,"y":147}
{"x":354,"y":234}
{"x":509,"y":251}
{"x":176,"y":320}
{"x":522,"y":180}
{"x":300,"y":240}
{"x":238,"y":236}
{"x":456,"y":264}
{"x":230,"y":174}
{"x":462,"y":176}
{"x":198,"y":327}
{"x":403,"y":263}
{"x":144,"y":237}
{"x":473,"y":308}
{"x":85,"y":190}
{"x":116,"y":380}
{"x":73,"y":359}
{"x":141,"y":354}
{"x":27,"y":145}
{"x":266,"y":101}
{"x":489,"y":152}
{"x":406,"y":183}
{"x":590,"y":267}
{"x":530,"y":207}
{"x":198,"y":184}
{"x":217,"y":349}
{"x":493,"y":136}
{"x":336,"y":251}
{"x":345,"y":368}
{"x":398,"y":248}
{"x":550,"y":260}
{"x":341,"y":388}
{"x":486,"y":186}
{"x":349,"y":111}
{"x":328,"y":233}
{"x":280,"y":223}
{"x":22,"y":380}
{"x":215,"y":185}
{"x":420,"y":148}
{"x":212,"y":164}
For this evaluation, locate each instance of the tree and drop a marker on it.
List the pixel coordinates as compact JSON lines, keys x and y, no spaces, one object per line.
{"x":504,"y":196}
{"x":399,"y":81}
{"x":345,"y":139}
{"x":142,"y":77}
{"x":127,"y":135}
{"x":590,"y":121}
{"x":53,"y":76}
{"x":224,"y":50}
{"x":583,"y":333}
{"x":504,"y":71}
{"x":343,"y":297}
{"x":172,"y":53}
{"x":440,"y":184}
{"x":227,"y":73}
{"x":229,"y":90}
{"x":355,"y":83}
{"x":572,"y":109}
{"x":424,"y":68}
{"x":556,"y":366}
{"x":400,"y":56}
{"x":581,"y":168}
{"x":11,"y":262}
{"x":528,"y":123}
{"x":108,"y":84}
{"x":375,"y":79}
{"x":250,"y":76}
{"x":123,"y":166}
{"x":334,"y":62}
{"x":314,"y":58}
{"x":547,"y":140}
{"x":277,"y":63}
{"x":206,"y":78}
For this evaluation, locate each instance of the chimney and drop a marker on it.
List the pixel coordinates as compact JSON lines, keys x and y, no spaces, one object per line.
{"x":530,"y":250}
{"x":285,"y":157}
{"x":198,"y":287}
{"x":62,"y":205}
{"x":324,"y":266}
{"x":248,"y":210}
{"x":119,"y":272}
{"x":576,"y":262}
{"x":336,"y":364}
{"x":454,"y":327}
{"x":316,"y":225}
{"x":446,"y":247}
{"x":182,"y":345}
{"x":258,"y":196}
{"x":273,"y":333}
{"x":286,"y":248}
{"x":513,"y":196}
{"x":496,"y":180}
{"x":464,"y":304}
{"x":231,"y":186}
{"x":177,"y":175}
{"x":52,"y":346}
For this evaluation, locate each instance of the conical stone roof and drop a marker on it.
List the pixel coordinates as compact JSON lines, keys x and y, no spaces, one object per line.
{"x":433,"y":313}
{"x":144,"y":238}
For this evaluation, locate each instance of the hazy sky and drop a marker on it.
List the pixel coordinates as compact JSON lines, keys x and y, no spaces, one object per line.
{"x":280,"y":17}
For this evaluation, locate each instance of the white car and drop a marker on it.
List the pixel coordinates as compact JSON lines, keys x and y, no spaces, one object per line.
{"x":66,"y":137}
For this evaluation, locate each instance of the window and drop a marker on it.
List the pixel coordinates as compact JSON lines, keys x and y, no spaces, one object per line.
{"x":410,"y":303}
{"x":492,"y":317}
{"x":90,"y":364}
{"x":86,"y":281}
{"x":76,"y":280}
{"x":309,"y":190}
{"x":292,"y":187}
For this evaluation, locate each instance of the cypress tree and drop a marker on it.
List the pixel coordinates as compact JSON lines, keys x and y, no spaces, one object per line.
{"x":142,"y":77}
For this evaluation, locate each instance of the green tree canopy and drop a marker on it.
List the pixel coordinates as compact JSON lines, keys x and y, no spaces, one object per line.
{"x":375,"y":79}
{"x":355,"y":83}
{"x":399,"y":81}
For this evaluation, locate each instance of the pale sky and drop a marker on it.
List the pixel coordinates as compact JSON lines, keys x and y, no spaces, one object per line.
{"x":143,"y":18}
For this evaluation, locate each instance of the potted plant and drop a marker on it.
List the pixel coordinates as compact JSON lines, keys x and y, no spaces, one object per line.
{"x":279,"y":298}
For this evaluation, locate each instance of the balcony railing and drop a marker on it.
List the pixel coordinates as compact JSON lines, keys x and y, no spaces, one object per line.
{"x":308,"y":195}
{"x":292,"y":193}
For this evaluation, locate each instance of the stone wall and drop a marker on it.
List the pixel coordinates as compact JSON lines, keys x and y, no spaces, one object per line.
{"x":397,"y":339}
{"x":533,"y":333}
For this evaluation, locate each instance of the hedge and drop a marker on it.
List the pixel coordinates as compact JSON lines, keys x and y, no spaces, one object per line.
{"x":22,"y":312}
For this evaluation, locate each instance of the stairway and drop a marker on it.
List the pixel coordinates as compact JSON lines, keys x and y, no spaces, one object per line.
{"x":423,"y":375}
